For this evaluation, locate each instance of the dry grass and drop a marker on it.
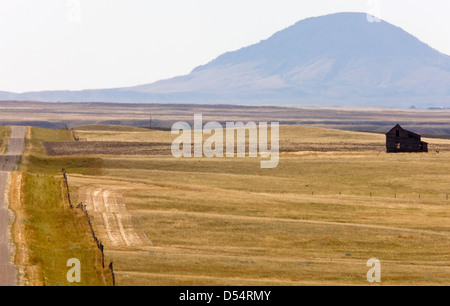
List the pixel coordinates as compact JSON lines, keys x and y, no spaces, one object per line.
{"x":46,"y":232}
{"x":5,"y":131}
{"x":29,"y":274}
{"x":106,"y":148}
{"x":287,"y":134}
{"x":56,"y":234}
{"x":311,"y":221}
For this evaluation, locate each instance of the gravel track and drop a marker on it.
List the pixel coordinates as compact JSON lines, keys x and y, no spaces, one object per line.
{"x":8,"y":163}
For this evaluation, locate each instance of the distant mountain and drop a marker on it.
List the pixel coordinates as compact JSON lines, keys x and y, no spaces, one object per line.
{"x":339,"y":59}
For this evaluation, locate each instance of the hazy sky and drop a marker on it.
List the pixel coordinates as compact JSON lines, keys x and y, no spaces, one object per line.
{"x":81,"y":44}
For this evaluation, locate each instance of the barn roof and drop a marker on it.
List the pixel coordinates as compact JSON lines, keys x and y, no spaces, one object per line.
{"x":409,"y":132}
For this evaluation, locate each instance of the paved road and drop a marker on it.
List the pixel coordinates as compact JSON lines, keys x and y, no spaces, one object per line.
{"x":8,"y":162}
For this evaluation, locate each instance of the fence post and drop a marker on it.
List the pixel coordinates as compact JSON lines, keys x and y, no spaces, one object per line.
{"x":100,"y":246}
{"x":85,"y":211}
{"x":66,"y":183}
{"x":74,"y":136}
{"x":112,"y":274}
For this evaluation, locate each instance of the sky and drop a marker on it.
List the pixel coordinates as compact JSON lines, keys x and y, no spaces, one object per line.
{"x":93,"y":44}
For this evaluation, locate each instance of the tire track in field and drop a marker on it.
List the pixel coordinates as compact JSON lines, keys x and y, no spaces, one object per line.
{"x":299,"y":221}
{"x":111,"y":216}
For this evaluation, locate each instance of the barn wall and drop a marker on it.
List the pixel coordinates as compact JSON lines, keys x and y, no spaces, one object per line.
{"x":408,"y":142}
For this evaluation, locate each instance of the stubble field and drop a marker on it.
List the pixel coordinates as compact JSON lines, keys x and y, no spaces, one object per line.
{"x":314,"y":220}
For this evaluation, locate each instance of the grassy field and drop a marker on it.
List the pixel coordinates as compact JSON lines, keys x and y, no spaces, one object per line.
{"x":4,"y":134}
{"x":46,"y":231}
{"x":314,"y":220}
{"x":57,"y":234}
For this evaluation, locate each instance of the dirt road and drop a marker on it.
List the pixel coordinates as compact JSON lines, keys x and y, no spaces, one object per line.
{"x":8,"y":163}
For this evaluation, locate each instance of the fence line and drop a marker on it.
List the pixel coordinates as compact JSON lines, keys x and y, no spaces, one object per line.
{"x":94,"y":235}
{"x":83,"y":208}
{"x":419,"y":196}
{"x":66,"y":184}
{"x":75,"y":136}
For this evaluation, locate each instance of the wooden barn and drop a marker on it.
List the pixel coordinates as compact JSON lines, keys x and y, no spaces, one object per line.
{"x":400,"y":140}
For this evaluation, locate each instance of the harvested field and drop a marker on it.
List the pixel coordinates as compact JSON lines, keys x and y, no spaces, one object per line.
{"x":332,"y":147}
{"x":110,"y":214}
{"x":148,"y":148}
{"x":335,"y":200}
{"x":347,"y":147}
{"x":106,"y":148}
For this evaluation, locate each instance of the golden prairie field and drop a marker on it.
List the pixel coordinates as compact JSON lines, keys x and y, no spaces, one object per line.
{"x":316,"y":219}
